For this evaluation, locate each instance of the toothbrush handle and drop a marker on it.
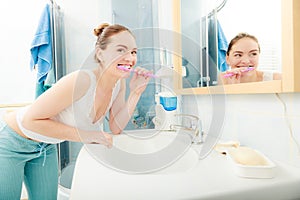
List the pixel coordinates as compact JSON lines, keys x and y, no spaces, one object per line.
{"x":133,"y":70}
{"x":147,"y":74}
{"x":245,"y":70}
{"x":151,"y":75}
{"x":228,"y":75}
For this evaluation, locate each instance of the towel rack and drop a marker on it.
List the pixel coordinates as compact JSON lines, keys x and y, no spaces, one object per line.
{"x":222,"y":4}
{"x":53,"y":3}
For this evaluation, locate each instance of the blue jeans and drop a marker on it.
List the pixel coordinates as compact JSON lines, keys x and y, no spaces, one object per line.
{"x":35,"y":163}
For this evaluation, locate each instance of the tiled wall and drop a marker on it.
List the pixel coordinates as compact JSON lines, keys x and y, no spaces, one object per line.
{"x":269,"y":123}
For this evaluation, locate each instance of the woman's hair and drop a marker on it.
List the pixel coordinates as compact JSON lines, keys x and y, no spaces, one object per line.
{"x":241,"y":36}
{"x":104,"y":31}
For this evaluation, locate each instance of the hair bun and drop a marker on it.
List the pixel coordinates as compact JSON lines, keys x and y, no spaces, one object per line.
{"x":100,"y":28}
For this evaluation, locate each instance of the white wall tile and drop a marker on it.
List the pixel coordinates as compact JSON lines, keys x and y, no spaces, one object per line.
{"x":292,"y":101}
{"x":294,"y":136}
{"x":266,"y":133}
{"x":260,"y":121}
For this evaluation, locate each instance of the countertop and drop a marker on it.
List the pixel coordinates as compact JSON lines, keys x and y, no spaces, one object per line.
{"x":215,"y":178}
{"x":212,"y":178}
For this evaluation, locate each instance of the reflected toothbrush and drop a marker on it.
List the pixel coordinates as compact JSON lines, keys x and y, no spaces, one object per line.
{"x":244,"y":70}
{"x":125,"y":69}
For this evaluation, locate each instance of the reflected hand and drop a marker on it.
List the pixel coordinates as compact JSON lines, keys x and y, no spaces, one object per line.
{"x":232,"y":76}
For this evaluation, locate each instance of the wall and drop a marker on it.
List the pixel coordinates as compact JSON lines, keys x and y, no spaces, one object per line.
{"x":257,"y":121}
{"x":81,"y":17}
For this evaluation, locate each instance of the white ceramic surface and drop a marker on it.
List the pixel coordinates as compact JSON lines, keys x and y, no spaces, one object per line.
{"x":212,"y":178}
{"x":267,"y":170}
{"x":147,"y":151}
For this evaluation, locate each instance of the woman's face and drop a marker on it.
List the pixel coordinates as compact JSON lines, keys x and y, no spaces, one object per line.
{"x":121,"y":50}
{"x":244,"y":53}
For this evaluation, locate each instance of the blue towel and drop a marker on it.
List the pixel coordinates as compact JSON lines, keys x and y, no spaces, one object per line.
{"x":39,"y":89}
{"x":222,"y":48}
{"x":42,"y":86}
{"x":41,"y":46}
{"x":50,"y":79}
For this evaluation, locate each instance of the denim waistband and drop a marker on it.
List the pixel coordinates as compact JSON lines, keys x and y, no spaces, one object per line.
{"x":12,"y":140}
{"x":14,"y":134}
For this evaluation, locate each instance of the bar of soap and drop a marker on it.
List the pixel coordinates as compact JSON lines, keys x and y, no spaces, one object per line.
{"x":247,"y":156}
{"x":223,"y":147}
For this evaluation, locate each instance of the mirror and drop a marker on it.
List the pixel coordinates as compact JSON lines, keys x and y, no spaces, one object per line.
{"x":275,"y":29}
{"x":263,"y":23}
{"x":212,"y":24}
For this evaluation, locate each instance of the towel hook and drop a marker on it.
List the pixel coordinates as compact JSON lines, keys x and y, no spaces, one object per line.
{"x":222,"y":4}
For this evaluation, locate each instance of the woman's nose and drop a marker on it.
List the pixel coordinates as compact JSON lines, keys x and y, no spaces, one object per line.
{"x":130,"y":57}
{"x":245,"y":60}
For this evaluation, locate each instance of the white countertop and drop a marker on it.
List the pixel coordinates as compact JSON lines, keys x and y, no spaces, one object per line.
{"x":215,"y":178}
{"x":212,"y":178}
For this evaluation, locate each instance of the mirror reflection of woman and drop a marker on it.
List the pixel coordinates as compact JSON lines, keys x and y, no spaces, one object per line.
{"x":243,"y":58}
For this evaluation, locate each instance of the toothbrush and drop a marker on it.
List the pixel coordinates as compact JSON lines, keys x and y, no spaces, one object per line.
{"x":244,"y":70}
{"x":125,"y":69}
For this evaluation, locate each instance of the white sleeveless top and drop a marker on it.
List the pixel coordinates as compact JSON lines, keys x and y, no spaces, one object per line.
{"x":267,"y":76}
{"x":77,"y":115}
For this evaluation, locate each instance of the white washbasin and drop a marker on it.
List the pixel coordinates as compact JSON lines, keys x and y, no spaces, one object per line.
{"x":147,"y":151}
{"x":101,"y":174}
{"x":138,"y":158}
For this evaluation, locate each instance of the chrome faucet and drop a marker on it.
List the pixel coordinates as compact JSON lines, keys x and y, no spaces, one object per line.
{"x":192,"y":124}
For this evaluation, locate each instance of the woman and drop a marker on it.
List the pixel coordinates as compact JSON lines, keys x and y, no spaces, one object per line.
{"x":73,"y":109}
{"x":243,"y":57}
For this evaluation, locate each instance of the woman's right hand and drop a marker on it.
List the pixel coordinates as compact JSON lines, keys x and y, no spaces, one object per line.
{"x":97,"y":137}
{"x":231,"y":76}
{"x":139,"y":80}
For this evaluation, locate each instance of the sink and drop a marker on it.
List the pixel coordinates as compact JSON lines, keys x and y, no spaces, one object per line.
{"x":147,"y":151}
{"x":147,"y":164}
{"x":138,"y":160}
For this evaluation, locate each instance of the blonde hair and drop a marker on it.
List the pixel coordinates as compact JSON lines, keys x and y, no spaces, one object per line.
{"x":104,"y":31}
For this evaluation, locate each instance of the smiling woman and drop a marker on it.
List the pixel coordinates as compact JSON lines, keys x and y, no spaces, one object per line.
{"x":70,"y":111}
{"x":253,"y":17}
{"x":17,"y":82}
{"x":243,"y":59}
{"x":275,"y":28}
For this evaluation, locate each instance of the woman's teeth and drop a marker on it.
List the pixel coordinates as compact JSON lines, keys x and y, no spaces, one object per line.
{"x":124,"y":67}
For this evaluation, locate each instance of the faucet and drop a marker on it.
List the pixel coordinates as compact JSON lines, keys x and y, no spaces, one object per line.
{"x":193,"y":125}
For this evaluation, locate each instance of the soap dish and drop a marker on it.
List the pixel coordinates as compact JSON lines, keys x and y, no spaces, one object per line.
{"x":250,"y":163}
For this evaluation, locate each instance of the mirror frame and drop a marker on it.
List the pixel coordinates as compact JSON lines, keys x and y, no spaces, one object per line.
{"x":290,"y":58}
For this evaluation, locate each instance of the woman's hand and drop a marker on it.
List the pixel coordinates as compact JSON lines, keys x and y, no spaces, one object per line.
{"x":139,"y":80}
{"x":235,"y":75}
{"x":96,"y":137}
{"x":232,"y":76}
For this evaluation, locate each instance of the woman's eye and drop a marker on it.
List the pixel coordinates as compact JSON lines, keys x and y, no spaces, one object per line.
{"x":237,"y":55}
{"x":134,"y":52}
{"x":121,"y":50}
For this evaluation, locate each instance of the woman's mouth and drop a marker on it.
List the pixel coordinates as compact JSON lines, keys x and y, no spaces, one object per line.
{"x":244,"y":66}
{"x":125,"y":68}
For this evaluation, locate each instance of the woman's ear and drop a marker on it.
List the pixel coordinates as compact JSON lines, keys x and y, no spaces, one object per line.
{"x":98,"y":55}
{"x":227,"y":60}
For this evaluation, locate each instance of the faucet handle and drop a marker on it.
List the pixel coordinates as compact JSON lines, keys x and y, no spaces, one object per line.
{"x":192,"y":123}
{"x":189,"y":121}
